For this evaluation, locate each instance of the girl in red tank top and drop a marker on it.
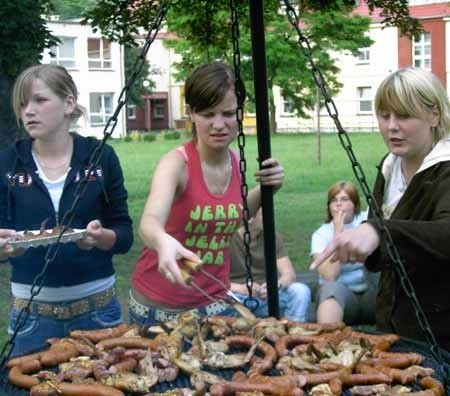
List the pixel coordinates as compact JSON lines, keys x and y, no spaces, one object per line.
{"x":195,"y":201}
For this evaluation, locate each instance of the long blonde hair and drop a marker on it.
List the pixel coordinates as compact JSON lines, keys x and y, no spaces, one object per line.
{"x":414,"y":92}
{"x":55,"y":77}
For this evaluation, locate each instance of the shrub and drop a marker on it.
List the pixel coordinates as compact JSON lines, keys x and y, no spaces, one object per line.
{"x":127,"y":138}
{"x":135,"y":136}
{"x":171,"y":135}
{"x":149,"y":137}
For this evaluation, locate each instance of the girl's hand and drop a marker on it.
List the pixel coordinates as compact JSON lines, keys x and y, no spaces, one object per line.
{"x":284,"y":282}
{"x":7,"y":250}
{"x":241,"y":288}
{"x":169,"y":251}
{"x":350,"y":246}
{"x":95,"y":234}
{"x":338,"y":221}
{"x":270,"y":174}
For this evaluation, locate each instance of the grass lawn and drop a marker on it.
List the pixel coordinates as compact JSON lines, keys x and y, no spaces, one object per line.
{"x":299,"y":205}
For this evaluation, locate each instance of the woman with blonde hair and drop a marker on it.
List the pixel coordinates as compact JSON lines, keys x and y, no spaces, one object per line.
{"x":412,"y":189}
{"x":40,"y":176}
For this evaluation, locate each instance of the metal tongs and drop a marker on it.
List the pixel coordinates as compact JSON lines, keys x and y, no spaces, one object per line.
{"x":193,"y":266}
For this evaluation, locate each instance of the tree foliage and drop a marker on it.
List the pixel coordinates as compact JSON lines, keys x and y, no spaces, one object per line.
{"x":122,"y":20}
{"x":203,"y":34}
{"x":138,"y":88}
{"x":24,"y":34}
{"x":24,"y":37}
{"x":71,"y":9}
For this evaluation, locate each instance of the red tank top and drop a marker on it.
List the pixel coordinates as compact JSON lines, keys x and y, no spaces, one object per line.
{"x":203,"y":223}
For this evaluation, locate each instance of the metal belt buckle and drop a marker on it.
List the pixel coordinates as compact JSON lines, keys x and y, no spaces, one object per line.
{"x":61,"y":312}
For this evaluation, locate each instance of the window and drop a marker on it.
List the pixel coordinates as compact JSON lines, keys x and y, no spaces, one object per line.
{"x":288,"y":107}
{"x":158,"y":108}
{"x":63,"y":54}
{"x":100,"y":107}
{"x":99,"y":54}
{"x":363,"y":55}
{"x":365,"y":99}
{"x":131,"y":112}
{"x":422,"y":51}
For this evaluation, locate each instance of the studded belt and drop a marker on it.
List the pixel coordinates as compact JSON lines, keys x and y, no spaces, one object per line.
{"x":68,"y":310}
{"x":162,"y":315}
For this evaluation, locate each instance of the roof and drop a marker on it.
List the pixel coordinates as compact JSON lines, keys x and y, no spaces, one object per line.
{"x":425,"y":11}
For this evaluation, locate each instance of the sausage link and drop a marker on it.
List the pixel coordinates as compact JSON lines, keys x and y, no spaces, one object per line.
{"x":101,"y":334}
{"x":22,"y":359}
{"x":434,"y":385}
{"x":18,"y":375}
{"x":127,"y":342}
{"x":231,"y":388}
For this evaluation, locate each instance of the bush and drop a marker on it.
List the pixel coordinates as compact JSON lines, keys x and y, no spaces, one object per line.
{"x":127,"y":138}
{"x":149,"y":137}
{"x":171,"y":135}
{"x":135,"y":136}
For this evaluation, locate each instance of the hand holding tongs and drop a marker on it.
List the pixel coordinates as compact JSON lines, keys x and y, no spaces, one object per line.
{"x":198,"y":267}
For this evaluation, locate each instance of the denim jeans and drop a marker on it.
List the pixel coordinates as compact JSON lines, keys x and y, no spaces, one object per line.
{"x":38,"y":328}
{"x":293,"y":302}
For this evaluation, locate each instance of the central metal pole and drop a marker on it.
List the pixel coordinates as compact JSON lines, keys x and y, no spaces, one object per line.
{"x":263,"y":135}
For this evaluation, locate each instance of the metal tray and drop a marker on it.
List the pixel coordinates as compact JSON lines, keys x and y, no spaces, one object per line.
{"x":68,"y":236}
{"x":404,"y":345}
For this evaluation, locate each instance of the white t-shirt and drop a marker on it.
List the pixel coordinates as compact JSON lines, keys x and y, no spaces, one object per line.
{"x":55,"y":187}
{"x":394,"y":189}
{"x":352,"y":274}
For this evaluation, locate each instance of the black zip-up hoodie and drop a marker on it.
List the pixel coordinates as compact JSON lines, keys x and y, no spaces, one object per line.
{"x":25,"y":203}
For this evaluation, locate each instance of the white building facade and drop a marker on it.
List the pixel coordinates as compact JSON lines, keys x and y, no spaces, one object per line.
{"x":97,"y":68}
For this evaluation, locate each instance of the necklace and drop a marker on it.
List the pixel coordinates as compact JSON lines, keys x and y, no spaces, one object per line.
{"x":51,"y":166}
{"x":42,"y":163}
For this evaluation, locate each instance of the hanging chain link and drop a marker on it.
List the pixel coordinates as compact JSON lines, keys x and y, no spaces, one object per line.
{"x":240,"y":96}
{"x":386,"y":237}
{"x":94,"y":160}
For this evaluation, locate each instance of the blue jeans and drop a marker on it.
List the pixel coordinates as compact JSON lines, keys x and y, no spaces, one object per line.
{"x":293,"y":302}
{"x":38,"y":328}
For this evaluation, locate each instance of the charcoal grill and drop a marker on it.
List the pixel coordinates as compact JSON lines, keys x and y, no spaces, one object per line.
{"x":404,"y":345}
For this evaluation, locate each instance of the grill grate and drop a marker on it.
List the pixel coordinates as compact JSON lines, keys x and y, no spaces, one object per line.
{"x":404,"y":345}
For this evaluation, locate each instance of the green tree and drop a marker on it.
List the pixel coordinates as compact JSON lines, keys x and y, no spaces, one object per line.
{"x":329,"y":31}
{"x":70,"y":9}
{"x":24,"y":37}
{"x":142,"y":84}
{"x":204,"y":34}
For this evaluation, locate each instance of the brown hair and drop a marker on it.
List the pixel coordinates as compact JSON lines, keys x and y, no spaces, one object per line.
{"x":351,"y":191}
{"x":55,"y":77}
{"x":207,"y":86}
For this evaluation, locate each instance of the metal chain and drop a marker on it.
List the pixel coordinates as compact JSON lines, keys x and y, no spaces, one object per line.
{"x":94,"y":160}
{"x":240,"y":96}
{"x":386,"y":237}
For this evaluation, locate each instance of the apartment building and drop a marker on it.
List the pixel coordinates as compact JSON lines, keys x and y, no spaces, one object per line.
{"x":360,"y":75}
{"x":97,"y":67}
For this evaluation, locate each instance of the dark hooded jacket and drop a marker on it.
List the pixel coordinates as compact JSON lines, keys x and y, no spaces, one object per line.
{"x":420,"y":229}
{"x":25,"y":203}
